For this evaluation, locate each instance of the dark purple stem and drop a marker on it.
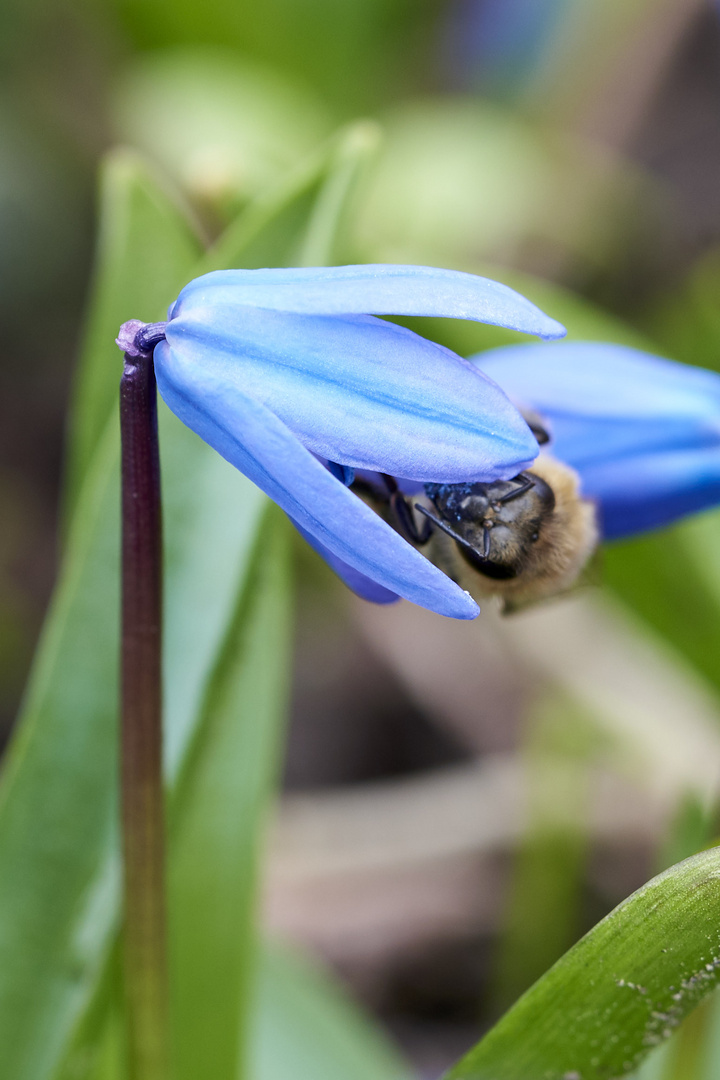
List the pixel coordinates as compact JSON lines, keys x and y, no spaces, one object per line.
{"x":141,"y":723}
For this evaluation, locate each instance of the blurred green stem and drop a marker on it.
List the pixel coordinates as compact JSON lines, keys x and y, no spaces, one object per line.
{"x":141,"y":726}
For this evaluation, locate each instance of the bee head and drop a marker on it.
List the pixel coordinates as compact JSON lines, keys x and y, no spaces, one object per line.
{"x":494,"y":524}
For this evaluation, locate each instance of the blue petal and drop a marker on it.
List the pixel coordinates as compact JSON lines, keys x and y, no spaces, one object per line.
{"x":357,"y":390}
{"x":653,"y":490}
{"x":376,"y":290}
{"x":344,"y":473}
{"x":363,"y":586}
{"x":255,"y":441}
{"x":609,"y":402}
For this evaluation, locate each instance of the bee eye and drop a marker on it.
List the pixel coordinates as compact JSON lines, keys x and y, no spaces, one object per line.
{"x":535,"y":536}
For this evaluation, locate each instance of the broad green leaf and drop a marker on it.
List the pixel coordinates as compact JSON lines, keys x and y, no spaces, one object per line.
{"x":623,"y":989}
{"x":305,"y":1028}
{"x":146,"y":249}
{"x":217,"y":813}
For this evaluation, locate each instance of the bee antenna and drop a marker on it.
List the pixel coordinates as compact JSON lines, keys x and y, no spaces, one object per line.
{"x":450,"y":532}
{"x":525,"y":483}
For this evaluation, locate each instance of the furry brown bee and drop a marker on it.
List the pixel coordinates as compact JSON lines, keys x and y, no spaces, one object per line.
{"x":523,"y":539}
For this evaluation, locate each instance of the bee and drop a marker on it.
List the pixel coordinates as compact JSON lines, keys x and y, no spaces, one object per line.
{"x":523,"y":540}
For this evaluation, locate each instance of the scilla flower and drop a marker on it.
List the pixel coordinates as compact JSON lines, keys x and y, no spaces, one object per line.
{"x":287,"y":376}
{"x":643,"y":433}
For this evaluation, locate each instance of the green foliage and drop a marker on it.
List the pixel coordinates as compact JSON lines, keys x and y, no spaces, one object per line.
{"x":146,"y":248}
{"x":462,"y":180}
{"x":59,"y":800}
{"x":223,"y":128}
{"x":220,"y":800}
{"x":683,"y":606}
{"x":304,"y":1027}
{"x":226,"y":659}
{"x":541,"y":911}
{"x":619,"y":992}
{"x":354,"y":52}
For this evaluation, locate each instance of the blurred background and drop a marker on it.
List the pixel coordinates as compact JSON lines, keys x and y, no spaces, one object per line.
{"x":461,"y":802}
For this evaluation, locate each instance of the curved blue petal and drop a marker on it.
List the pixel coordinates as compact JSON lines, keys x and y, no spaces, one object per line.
{"x":357,"y":390}
{"x":256,"y":441}
{"x":375,"y":480}
{"x":363,"y":586}
{"x":379,"y":289}
{"x":653,"y":490}
{"x":605,"y":402}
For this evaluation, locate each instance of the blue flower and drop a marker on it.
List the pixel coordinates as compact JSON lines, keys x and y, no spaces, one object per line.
{"x":642,"y":432}
{"x":283,"y":372}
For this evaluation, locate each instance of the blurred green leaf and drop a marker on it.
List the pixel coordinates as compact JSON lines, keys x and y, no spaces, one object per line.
{"x":54,"y":870}
{"x":692,"y":828}
{"x":146,"y":250}
{"x":710,"y":1067}
{"x":304,"y":1027}
{"x":223,"y":127}
{"x":217,"y":810}
{"x":300,"y":221}
{"x":687,"y":321}
{"x":352,"y":151}
{"x":621,"y":990}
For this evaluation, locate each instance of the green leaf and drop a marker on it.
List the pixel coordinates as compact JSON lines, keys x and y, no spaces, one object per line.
{"x":218,"y":808}
{"x":146,"y":249}
{"x":297,"y":222}
{"x":622,"y":990}
{"x":53,"y":866}
{"x":304,"y":1027}
{"x":354,"y":149}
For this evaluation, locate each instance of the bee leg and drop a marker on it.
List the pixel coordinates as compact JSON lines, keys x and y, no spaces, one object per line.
{"x":404,"y":516}
{"x":432,"y":520}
